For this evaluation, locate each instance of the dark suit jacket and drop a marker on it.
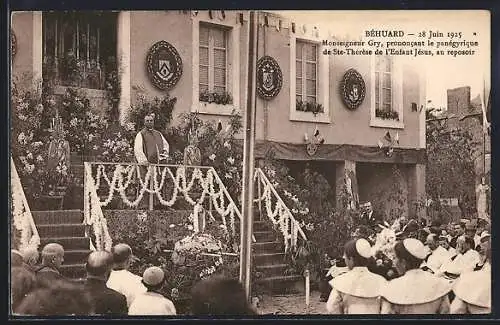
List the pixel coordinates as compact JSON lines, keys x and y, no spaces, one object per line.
{"x":106,"y":300}
{"x":47,"y":276}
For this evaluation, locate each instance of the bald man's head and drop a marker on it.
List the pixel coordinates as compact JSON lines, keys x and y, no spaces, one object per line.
{"x":53,"y":253}
{"x":99,"y":263}
{"x":121,"y":253}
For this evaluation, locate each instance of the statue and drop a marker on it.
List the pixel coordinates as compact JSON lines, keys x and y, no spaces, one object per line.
{"x":192,"y":154}
{"x":58,"y":161}
{"x":482,"y":204}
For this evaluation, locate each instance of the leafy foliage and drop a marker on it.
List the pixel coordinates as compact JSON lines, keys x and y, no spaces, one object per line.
{"x":223,"y":98}
{"x":152,"y":236}
{"x":450,"y":165}
{"x":314,"y":108}
{"x":387,"y":115}
{"x":162,"y":107}
{"x":219,"y":149}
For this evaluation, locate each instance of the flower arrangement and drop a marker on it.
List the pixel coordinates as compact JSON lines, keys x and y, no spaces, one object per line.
{"x":314,"y":108}
{"x":384,"y":243}
{"x":29,"y":140}
{"x":387,"y":114}
{"x":223,"y":98}
{"x":83,"y":127}
{"x":116,"y":144}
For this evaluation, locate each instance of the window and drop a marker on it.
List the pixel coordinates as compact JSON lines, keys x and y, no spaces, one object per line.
{"x":309,"y":79}
{"x":215,"y":64}
{"x":306,"y":63}
{"x":79,"y":48}
{"x":383,"y":85}
{"x":212,"y":60}
{"x":387,"y":95}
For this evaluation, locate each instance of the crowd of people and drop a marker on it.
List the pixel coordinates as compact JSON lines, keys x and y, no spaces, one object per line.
{"x":39,"y":289}
{"x":441,"y":269}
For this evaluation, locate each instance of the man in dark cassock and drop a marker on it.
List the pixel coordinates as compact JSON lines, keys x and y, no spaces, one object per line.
{"x":150,"y":146}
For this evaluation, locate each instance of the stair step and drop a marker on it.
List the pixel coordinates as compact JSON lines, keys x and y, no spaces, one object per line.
{"x":261,"y":226}
{"x":264,"y":236}
{"x":61,"y":230}
{"x":268,"y":259}
{"x":58,"y":216}
{"x":69,"y":243}
{"x":73,"y":271}
{"x":76,"y":256}
{"x":289,"y":284}
{"x":267,"y":247}
{"x":272,"y":270}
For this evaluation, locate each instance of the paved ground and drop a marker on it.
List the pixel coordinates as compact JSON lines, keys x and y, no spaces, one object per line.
{"x":291,"y":304}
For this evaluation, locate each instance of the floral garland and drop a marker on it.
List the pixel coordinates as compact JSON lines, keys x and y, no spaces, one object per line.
{"x":21,"y":213}
{"x":93,"y":216}
{"x":288,"y":226}
{"x":157,"y":176}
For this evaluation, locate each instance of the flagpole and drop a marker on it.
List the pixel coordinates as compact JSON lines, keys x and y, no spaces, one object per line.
{"x":248,"y":161}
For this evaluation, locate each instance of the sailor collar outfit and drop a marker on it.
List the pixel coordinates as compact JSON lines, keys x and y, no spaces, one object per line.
{"x":416,"y":292}
{"x":473,"y":292}
{"x":356,"y":292}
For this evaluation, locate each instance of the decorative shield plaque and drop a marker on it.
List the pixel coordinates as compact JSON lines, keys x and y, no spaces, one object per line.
{"x":164,"y":65}
{"x":13,"y":44}
{"x":311,"y":148}
{"x":269,"y":77}
{"x":353,"y":89}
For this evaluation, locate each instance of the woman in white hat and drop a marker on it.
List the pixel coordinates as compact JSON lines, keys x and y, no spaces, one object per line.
{"x":152,"y":302}
{"x":473,"y":290}
{"x":357,"y":291}
{"x":416,"y":291}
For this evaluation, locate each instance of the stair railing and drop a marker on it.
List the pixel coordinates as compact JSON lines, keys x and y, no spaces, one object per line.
{"x":280,"y":215}
{"x":151,"y":180}
{"x":22,"y":217}
{"x":93,"y":218}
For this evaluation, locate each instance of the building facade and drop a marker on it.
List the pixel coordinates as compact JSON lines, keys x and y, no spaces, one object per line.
{"x":384,"y":133}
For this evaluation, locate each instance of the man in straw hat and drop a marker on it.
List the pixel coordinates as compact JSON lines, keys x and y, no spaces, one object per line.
{"x":473,"y":290}
{"x":152,"y":302}
{"x":357,"y":291}
{"x":416,"y":291}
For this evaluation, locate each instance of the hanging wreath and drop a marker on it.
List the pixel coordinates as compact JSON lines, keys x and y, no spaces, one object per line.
{"x":269,"y":77}
{"x":164,"y":65}
{"x":352,"y":89}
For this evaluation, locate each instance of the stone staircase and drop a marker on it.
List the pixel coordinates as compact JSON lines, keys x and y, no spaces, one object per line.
{"x":65,"y":227}
{"x":269,"y":260}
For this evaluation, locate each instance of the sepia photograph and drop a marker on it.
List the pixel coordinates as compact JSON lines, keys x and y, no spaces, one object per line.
{"x":185,"y":163}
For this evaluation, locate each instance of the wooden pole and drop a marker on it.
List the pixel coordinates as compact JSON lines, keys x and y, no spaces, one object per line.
{"x":151,"y":187}
{"x":248,"y":161}
{"x":308,"y":290}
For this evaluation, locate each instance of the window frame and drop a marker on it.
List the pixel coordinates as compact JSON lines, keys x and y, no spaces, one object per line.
{"x":396,"y":95}
{"x":232,"y":66}
{"x":309,"y":35}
